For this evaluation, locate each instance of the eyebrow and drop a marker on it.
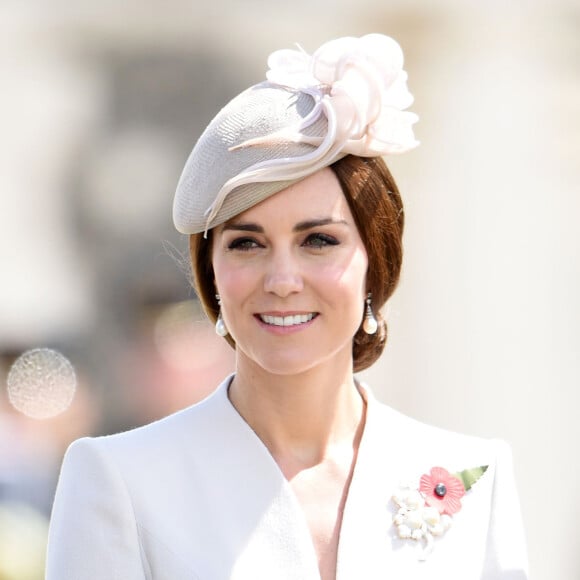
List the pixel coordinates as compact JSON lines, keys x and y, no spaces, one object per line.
{"x":299,"y":227}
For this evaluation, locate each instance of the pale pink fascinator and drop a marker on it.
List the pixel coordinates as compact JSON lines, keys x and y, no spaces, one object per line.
{"x":347,"y":98}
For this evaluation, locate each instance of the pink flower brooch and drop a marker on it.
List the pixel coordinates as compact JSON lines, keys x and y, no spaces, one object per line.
{"x":426,"y":511}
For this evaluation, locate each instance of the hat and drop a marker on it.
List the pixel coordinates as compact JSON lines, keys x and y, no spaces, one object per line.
{"x":347,"y":98}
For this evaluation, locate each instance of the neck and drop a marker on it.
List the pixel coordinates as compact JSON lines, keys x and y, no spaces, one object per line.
{"x":302,"y":419}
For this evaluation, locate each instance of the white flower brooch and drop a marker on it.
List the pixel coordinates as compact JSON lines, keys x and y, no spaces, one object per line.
{"x":426,"y":511}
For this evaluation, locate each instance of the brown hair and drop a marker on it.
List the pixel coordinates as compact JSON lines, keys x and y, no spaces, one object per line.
{"x":375,"y":202}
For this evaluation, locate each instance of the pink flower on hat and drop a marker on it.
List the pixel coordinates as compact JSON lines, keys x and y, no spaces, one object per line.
{"x":442,"y":490}
{"x":362,"y":88}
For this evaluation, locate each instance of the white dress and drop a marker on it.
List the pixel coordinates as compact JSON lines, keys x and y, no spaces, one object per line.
{"x":197,"y":496}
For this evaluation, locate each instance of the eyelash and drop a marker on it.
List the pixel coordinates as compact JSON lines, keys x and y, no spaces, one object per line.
{"x":243,"y":244}
{"x":316,"y":241}
{"x":321,"y":240}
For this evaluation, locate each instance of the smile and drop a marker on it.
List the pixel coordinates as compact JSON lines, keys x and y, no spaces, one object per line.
{"x":292,"y":320}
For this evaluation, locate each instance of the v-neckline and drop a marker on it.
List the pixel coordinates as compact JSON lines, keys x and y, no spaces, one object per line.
{"x":291,"y":496}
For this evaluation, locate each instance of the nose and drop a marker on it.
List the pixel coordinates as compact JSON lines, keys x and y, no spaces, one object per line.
{"x":283,"y":276}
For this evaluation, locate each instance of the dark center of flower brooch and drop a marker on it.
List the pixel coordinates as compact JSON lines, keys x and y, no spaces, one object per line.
{"x":440,"y":490}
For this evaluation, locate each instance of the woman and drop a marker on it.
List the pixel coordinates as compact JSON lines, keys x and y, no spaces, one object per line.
{"x":291,"y":469}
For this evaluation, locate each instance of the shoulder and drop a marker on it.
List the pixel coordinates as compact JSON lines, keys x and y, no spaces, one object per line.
{"x":419,"y":445}
{"x":163,"y":440}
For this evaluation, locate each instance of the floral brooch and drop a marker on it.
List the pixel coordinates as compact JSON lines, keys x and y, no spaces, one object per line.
{"x":426,"y":511}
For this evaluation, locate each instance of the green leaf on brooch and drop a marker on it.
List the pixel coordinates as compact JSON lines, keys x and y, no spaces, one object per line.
{"x":470,"y":476}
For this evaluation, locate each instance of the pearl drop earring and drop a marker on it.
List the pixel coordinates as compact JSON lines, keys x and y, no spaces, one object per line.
{"x":370,"y":323}
{"x":220,"y":326}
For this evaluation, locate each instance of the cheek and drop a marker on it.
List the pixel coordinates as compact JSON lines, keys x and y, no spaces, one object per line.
{"x":359,"y":279}
{"x":232,"y":282}
{"x":345,"y":280}
{"x":224,"y":276}
{"x":353,"y":273}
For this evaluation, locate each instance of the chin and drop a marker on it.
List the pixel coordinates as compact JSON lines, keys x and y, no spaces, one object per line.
{"x":286,"y":365}
{"x":300,"y":361}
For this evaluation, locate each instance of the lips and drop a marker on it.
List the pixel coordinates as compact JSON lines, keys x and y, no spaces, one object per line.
{"x":290,"y":320}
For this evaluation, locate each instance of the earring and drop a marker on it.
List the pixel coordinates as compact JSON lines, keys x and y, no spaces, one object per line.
{"x":370,"y":323}
{"x":220,"y":326}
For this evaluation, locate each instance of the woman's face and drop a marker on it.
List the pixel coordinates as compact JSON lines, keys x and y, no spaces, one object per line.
{"x":291,"y":273}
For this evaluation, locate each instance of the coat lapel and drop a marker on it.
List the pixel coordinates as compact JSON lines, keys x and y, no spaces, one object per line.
{"x":279,"y":544}
{"x":393,"y":449}
{"x":364,"y":537}
{"x":268,"y":536}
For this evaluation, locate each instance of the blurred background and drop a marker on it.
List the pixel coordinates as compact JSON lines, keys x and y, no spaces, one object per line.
{"x":101,"y":104}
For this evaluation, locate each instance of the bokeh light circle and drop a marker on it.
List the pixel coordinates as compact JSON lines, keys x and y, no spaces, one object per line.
{"x":41,"y":383}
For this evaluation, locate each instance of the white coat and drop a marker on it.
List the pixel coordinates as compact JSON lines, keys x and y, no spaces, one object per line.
{"x":197,"y":496}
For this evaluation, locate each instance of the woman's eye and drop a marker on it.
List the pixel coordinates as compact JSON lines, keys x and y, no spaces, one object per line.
{"x":320,"y":240}
{"x":243,"y":244}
